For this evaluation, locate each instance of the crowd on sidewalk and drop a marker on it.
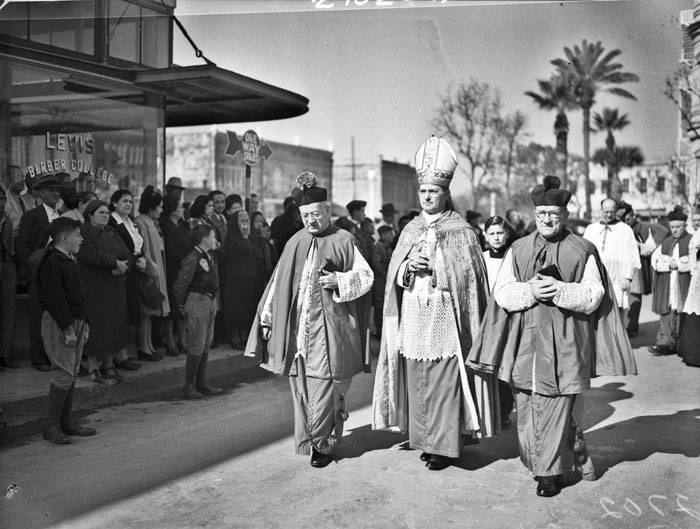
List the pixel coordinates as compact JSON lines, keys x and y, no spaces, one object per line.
{"x":471,"y":317}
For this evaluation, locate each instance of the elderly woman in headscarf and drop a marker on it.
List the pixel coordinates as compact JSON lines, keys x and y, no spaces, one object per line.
{"x":240,"y":278}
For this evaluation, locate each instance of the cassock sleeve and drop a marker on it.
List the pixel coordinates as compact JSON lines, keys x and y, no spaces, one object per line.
{"x":510,"y":294}
{"x":266,"y":314}
{"x":659,"y":261}
{"x":356,"y":282}
{"x":683,"y":264}
{"x":584,"y":296}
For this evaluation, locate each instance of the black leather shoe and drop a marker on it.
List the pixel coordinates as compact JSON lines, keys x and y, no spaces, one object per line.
{"x":319,"y":460}
{"x":548,"y":486}
{"x":127,"y":365}
{"x":659,"y":350}
{"x":425,"y":457}
{"x":42,"y":367}
{"x":148,"y":357}
{"x":438,"y":462}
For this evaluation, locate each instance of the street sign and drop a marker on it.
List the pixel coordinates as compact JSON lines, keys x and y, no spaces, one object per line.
{"x":252,"y":149}
{"x":250,"y":144}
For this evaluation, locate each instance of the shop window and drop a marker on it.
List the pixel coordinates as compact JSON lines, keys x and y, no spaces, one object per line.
{"x":13,"y":20}
{"x":660,"y":184}
{"x":69,"y":25}
{"x":155,"y":39}
{"x":124,"y":31}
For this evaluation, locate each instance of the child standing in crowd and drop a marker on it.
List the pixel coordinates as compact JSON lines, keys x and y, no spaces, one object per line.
{"x":63,"y":326}
{"x":194,"y":292}
{"x":498,"y":241}
{"x":497,"y":235}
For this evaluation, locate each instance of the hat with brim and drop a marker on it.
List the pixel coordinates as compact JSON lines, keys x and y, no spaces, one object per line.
{"x":51,"y":180}
{"x":388,"y":209}
{"x":175,"y":182}
{"x":354,"y":205}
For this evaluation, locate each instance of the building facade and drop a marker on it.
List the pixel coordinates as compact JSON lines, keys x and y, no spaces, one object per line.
{"x":377,"y":184}
{"x":199,"y":156}
{"x":688,"y":97}
{"x":88,"y":87}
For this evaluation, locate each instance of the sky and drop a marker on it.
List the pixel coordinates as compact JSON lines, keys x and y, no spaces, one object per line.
{"x":376,"y":73}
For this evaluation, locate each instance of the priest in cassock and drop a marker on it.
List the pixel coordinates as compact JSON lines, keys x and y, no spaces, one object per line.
{"x":436,"y":292}
{"x":551,"y":324}
{"x":617,"y":247}
{"x":672,"y":266}
{"x":311,"y":322}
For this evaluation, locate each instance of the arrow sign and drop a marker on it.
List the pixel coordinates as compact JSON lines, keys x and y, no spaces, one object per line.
{"x":234,"y":144}
{"x":264,"y":151}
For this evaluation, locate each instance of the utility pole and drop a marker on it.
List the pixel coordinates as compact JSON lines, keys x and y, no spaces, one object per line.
{"x":352,"y":165}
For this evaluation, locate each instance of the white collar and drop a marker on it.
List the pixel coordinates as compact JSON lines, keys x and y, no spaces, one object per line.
{"x":117,"y":218}
{"x":431,"y":217}
{"x":49,"y":209}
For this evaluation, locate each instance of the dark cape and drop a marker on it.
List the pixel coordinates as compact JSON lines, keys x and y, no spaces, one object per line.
{"x":339,"y":329}
{"x":586,"y":346}
{"x":662,"y":280}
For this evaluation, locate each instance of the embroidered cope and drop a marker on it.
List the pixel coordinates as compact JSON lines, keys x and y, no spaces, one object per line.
{"x":428,"y":327}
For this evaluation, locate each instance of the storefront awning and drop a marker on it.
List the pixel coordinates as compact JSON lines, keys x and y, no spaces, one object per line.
{"x":197,"y":95}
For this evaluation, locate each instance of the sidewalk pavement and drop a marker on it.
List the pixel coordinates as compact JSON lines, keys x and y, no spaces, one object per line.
{"x":23,"y":392}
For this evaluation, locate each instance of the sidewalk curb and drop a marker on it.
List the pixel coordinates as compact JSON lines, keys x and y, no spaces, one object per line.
{"x":161,"y":376}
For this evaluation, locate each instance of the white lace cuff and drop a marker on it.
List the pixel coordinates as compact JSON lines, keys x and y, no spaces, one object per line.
{"x":354,"y":283}
{"x":580,"y":297}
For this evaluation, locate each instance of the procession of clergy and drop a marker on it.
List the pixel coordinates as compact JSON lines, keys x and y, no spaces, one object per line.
{"x":550,"y":324}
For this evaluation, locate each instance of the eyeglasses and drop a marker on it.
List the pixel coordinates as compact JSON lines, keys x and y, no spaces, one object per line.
{"x":551,"y":214}
{"x":316,"y":215}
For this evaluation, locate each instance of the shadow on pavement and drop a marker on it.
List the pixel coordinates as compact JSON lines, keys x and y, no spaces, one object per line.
{"x":638,"y":438}
{"x":363,"y":439}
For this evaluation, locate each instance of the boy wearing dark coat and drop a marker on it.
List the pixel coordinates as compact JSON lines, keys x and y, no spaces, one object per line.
{"x":63,"y":326}
{"x":195,"y":292}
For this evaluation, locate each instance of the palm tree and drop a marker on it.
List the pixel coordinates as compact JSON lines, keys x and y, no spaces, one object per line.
{"x":609,"y":121}
{"x":557,"y":94}
{"x":592,"y":70}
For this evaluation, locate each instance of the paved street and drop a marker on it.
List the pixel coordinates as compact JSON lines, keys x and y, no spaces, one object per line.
{"x":228,"y":462}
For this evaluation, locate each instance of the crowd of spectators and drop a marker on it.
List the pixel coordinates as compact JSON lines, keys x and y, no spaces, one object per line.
{"x":131,"y":254}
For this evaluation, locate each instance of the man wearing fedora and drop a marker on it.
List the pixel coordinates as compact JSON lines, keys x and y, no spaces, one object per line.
{"x":174,"y":188}
{"x":32,"y":238}
{"x":389,"y":214}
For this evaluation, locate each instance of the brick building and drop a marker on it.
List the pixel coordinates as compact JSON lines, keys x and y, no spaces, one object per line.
{"x":198,"y":156}
{"x":377,"y":183}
